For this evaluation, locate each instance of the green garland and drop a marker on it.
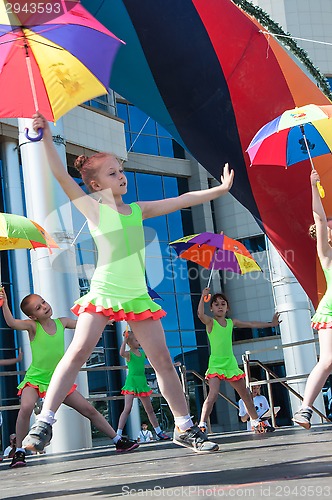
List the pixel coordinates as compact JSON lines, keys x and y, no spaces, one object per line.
{"x":273,"y":27}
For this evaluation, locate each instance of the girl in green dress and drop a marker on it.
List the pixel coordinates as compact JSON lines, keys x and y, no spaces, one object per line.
{"x":136,"y":385}
{"x":118,"y":287}
{"x":322,"y":320}
{"x":222,"y":362}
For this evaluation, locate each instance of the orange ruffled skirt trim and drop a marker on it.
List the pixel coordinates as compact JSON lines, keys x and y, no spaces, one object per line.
{"x":118,"y":315}
{"x":321,"y":325}
{"x":222,"y":377}
{"x":43,"y":393}
{"x":138,"y":394}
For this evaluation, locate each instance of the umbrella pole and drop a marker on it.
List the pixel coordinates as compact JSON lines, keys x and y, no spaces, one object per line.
{"x":208,"y":297}
{"x":319,"y":186}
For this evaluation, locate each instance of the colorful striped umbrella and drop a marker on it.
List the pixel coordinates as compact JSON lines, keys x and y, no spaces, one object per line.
{"x":211,"y":76}
{"x":215,"y":252}
{"x":54,"y":55}
{"x":17,"y":231}
{"x":296,"y":135}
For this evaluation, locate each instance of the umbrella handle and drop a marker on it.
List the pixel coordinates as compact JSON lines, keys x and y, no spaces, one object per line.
{"x":320,"y":190}
{"x":207,"y":297}
{"x":36,"y":138}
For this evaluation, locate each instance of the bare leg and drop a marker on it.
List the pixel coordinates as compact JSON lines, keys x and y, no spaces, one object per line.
{"x":88,"y":330}
{"x":79,"y":403}
{"x":321,"y":371}
{"x":129,"y":398}
{"x":245,"y":394}
{"x":214,"y":385}
{"x":29,"y":397}
{"x":150,"y":335}
{"x":146,"y":402}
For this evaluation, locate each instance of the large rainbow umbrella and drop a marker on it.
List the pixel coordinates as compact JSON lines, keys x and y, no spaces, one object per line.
{"x":211,"y":76}
{"x":54,"y":55}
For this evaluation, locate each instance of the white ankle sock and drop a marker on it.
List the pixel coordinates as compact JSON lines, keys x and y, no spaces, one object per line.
{"x":119,"y":432}
{"x":20,"y":449}
{"x":183,"y":423}
{"x":116,"y":439}
{"x":254,"y":422}
{"x":202,"y":424}
{"x":47,"y":416}
{"x":157,"y":429}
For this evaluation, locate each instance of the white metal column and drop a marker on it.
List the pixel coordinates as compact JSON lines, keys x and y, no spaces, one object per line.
{"x":293,"y":304}
{"x":58,"y":284}
{"x":19,"y":259}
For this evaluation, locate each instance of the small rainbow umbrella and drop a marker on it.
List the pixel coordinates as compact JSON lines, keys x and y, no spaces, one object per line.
{"x":294,"y":136}
{"x":54,"y":56}
{"x":216,"y":252}
{"x":17,"y":232}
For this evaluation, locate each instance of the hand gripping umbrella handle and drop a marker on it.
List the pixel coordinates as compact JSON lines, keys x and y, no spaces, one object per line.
{"x":319,"y":186}
{"x":208,"y":296}
{"x":36,"y":138}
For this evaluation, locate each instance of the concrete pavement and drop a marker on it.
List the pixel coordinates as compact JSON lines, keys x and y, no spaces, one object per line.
{"x":290,"y":463}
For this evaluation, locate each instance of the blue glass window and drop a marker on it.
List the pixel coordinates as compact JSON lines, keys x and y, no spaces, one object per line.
{"x":145,"y":135}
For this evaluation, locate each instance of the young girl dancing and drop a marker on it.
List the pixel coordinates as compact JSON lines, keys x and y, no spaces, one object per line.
{"x":47,"y":343}
{"x":136,"y":385}
{"x":322,"y":319}
{"x":222,"y":362}
{"x":118,"y":233}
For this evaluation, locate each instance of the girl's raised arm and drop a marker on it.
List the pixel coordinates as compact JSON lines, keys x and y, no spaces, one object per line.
{"x":13,"y":323}
{"x":207,"y":320}
{"x":190,"y":199}
{"x":123,"y":352}
{"x":85,"y":204}
{"x":323,"y":248}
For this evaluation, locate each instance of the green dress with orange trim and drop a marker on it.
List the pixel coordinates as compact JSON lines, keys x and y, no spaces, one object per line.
{"x":118,"y":286}
{"x":46,"y":350}
{"x":222,"y":362}
{"x":323,"y":315}
{"x":136,"y":382}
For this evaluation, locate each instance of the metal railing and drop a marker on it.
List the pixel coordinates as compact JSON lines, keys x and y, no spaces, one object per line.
{"x":275,"y":379}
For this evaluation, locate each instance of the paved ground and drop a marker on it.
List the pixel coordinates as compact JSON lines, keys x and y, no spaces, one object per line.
{"x":291,"y":463}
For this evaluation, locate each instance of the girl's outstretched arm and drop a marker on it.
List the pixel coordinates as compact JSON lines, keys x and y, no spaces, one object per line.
{"x":257,"y":324}
{"x":85,"y":204}
{"x":207,"y":320}
{"x":323,"y":248}
{"x":12,"y":361}
{"x":190,"y":199}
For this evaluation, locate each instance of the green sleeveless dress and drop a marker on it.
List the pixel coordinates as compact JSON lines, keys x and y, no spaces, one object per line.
{"x":222,"y":362}
{"x":323,"y":316}
{"x":118,"y":287}
{"x":136,"y":382}
{"x":46,"y":350}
